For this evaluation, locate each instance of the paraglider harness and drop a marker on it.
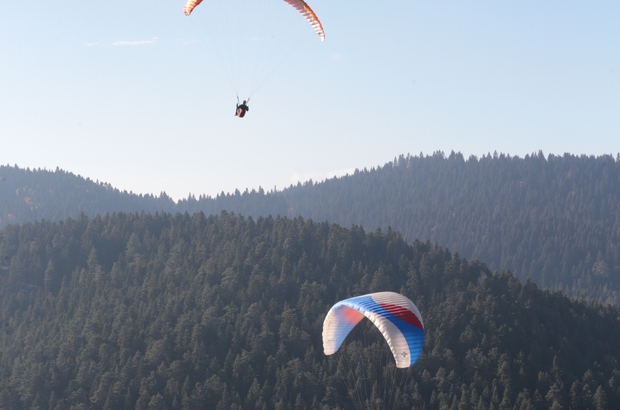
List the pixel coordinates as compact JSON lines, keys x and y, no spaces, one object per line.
{"x":242,"y":108}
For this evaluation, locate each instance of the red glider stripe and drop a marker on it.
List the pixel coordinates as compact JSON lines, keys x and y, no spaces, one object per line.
{"x":403,"y":314}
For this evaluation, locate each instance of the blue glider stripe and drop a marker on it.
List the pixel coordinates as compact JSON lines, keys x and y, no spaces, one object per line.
{"x":413,"y":335}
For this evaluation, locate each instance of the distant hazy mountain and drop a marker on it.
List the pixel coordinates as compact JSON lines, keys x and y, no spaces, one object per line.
{"x":224,"y":312}
{"x":554,"y":219}
{"x":30,"y":195}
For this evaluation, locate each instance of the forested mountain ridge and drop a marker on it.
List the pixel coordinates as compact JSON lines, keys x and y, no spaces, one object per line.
{"x":553,"y":219}
{"x":224,"y":312}
{"x":31,"y":195}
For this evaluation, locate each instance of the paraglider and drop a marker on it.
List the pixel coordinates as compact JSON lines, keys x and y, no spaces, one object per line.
{"x":250,"y":40}
{"x":242,"y":109}
{"x":374,"y":378}
{"x":299,"y":5}
{"x":396,"y":317}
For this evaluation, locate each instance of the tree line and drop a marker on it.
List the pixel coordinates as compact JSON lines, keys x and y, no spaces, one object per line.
{"x":189,"y":311}
{"x":553,"y":219}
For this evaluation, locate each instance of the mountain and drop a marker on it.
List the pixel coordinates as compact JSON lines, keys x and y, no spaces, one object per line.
{"x":553,"y":219}
{"x":162,"y":311}
{"x":31,"y":195}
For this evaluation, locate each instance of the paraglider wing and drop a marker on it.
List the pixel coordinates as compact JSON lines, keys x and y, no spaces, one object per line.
{"x":299,"y":5}
{"x":306,"y":11}
{"x":190,"y":5}
{"x":396,"y":317}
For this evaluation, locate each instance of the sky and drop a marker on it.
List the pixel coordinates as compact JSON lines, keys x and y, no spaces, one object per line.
{"x":140,"y":96}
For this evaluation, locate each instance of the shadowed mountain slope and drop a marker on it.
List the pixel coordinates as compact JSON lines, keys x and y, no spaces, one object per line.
{"x":133,"y":311}
{"x":553,"y":219}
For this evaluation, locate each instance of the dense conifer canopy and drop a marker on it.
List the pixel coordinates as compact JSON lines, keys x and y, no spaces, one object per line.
{"x":162,"y":311}
{"x":553,"y":219}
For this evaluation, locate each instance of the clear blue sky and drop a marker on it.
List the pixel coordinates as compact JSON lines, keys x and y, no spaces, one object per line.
{"x":131,"y":93}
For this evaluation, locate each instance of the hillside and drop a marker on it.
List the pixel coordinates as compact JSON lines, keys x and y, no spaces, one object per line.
{"x":225,"y":312}
{"x":553,"y":219}
{"x":32,"y":195}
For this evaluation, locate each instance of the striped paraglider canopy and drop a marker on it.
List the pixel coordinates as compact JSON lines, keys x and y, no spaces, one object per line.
{"x":396,"y":317}
{"x":300,"y":5}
